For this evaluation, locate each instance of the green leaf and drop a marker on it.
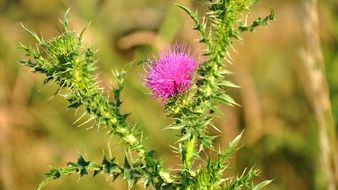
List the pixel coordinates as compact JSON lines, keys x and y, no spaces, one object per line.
{"x":232,"y":145}
{"x":262,"y":184}
{"x":186,"y":9}
{"x":52,"y":175}
{"x":37,"y":38}
{"x":228,"y":84}
{"x":66,"y":20}
{"x":184,"y":137}
{"x":82,"y":165}
{"x":44,"y":183}
{"x":226,"y":99}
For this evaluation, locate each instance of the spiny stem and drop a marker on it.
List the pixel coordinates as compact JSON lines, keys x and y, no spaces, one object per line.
{"x":189,"y":153}
{"x":65,"y":62}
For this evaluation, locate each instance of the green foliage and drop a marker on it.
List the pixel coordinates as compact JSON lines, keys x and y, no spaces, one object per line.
{"x":217,"y":31}
{"x":64,"y":61}
{"x":108,"y":167}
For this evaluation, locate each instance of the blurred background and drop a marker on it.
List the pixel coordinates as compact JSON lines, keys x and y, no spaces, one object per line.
{"x":289,"y":108}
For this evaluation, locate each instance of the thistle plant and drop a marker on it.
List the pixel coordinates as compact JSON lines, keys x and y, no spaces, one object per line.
{"x":190,"y":92}
{"x":171,"y":73}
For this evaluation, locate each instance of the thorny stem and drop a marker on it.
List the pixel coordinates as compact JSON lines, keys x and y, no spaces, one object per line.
{"x":189,"y":151}
{"x":189,"y":148}
{"x":65,"y":62}
{"x":117,"y":126}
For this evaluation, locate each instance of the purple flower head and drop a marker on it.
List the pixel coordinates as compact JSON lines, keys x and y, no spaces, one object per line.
{"x":171,"y":73}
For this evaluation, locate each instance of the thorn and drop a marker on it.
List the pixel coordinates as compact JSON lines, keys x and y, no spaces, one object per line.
{"x":90,"y":119}
{"x":31,"y":33}
{"x":84,"y":113}
{"x":229,"y":61}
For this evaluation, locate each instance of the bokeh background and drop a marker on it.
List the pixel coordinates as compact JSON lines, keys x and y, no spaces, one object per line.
{"x":280,"y":109}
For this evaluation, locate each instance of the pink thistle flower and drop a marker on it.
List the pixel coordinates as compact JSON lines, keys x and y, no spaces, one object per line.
{"x":171,"y":73}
